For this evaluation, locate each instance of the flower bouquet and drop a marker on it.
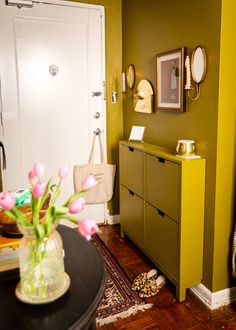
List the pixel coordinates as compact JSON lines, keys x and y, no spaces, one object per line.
{"x":41,"y":255}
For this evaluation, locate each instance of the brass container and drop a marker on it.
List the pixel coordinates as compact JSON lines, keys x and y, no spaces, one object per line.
{"x":185,"y":147}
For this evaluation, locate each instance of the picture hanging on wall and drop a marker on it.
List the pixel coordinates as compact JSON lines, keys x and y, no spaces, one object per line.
{"x":170,"y":80}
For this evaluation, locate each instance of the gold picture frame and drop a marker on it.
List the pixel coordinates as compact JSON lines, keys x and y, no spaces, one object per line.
{"x":171,"y":80}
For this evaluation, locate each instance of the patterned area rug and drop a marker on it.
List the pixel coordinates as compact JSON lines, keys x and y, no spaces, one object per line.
{"x":119,"y":300}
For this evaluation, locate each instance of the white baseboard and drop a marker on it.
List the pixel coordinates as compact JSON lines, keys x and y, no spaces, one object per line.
{"x":217,"y":299}
{"x":112,"y":219}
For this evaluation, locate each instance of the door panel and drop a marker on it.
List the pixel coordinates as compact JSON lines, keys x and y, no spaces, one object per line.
{"x":45,"y":121}
{"x":162,"y":185}
{"x":162,"y":239}
{"x":131,"y":214}
{"x":51,"y":65}
{"x":131,"y":168}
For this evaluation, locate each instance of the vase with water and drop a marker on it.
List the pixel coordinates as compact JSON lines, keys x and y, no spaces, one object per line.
{"x":41,"y":263}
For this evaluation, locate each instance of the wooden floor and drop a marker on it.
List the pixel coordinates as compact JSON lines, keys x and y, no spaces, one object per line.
{"x":167,"y":313}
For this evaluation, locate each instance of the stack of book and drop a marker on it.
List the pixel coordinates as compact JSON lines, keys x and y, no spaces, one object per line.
{"x":9,"y":258}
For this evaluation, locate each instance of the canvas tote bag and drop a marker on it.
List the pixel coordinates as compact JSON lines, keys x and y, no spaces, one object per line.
{"x":104,"y":174}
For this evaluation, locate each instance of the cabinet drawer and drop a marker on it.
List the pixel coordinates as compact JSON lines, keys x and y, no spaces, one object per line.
{"x":162,"y":239}
{"x":131,"y":169}
{"x":162,"y":185}
{"x":132,"y":213}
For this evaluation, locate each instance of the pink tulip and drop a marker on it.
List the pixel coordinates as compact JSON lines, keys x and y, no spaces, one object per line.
{"x":7,"y":201}
{"x":88,"y":182}
{"x":63,"y":171}
{"x":32,"y":178}
{"x":39,"y":189}
{"x":77,"y":205}
{"x":39,"y":170}
{"x":87,"y":228}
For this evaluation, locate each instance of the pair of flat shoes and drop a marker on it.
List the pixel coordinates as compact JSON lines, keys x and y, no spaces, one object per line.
{"x":141,"y":279}
{"x":148,"y":284}
{"x":152,"y":287}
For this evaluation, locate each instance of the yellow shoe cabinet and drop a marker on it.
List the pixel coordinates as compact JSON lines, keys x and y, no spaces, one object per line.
{"x":162,"y":210}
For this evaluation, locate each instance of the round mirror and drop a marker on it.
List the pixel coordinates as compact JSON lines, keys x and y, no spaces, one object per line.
{"x":198,"y":64}
{"x":130,"y":76}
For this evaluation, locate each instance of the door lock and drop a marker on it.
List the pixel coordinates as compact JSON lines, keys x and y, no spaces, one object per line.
{"x":96,"y":115}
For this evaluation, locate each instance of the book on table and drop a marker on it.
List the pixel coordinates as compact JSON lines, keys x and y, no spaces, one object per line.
{"x":9,"y":234}
{"x":9,"y":258}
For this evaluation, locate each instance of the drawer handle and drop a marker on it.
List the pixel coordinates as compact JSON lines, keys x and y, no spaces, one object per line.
{"x":131,"y":149}
{"x":161,"y":213}
{"x":131,"y":192}
{"x":161,"y":160}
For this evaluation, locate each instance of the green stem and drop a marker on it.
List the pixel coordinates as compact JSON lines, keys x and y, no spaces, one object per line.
{"x":57,"y":193}
{"x":75,"y":196}
{"x":34,"y":264}
{"x":68,"y":217}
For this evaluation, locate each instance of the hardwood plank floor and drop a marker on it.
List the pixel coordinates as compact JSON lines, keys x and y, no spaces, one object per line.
{"x":167,"y":313}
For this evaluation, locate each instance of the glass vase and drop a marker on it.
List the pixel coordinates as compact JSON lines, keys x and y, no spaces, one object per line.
{"x":41,"y":262}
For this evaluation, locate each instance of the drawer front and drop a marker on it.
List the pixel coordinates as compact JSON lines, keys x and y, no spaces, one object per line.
{"x":162,"y":185}
{"x":162,"y":239}
{"x":131,"y":169}
{"x":132,"y":213}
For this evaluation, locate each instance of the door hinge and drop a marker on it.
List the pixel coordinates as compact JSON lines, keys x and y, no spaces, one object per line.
{"x":20,"y":3}
{"x":104,"y":89}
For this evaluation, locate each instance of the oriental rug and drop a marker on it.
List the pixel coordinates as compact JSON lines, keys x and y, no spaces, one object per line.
{"x":119,"y":301}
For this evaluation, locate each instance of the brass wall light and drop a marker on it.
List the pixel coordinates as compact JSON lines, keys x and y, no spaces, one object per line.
{"x":195,"y":69}
{"x":128,"y":79}
{"x":130,"y":76}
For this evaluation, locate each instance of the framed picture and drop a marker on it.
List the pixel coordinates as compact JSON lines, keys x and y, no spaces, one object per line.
{"x":170,"y":81}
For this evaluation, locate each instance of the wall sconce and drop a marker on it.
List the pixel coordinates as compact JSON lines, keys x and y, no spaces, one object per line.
{"x":143,"y":99}
{"x":197,"y":69}
{"x":128,"y":79}
{"x":130,"y":76}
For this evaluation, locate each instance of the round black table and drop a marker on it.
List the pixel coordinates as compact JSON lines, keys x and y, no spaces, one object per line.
{"x":76,"y":309}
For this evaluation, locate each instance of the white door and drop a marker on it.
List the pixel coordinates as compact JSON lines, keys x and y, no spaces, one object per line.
{"x":51,"y":63}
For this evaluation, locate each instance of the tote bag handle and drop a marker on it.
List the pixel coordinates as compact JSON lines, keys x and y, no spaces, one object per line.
{"x":91,"y":155}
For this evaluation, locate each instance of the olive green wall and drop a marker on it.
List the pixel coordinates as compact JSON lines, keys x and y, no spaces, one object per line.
{"x":113,"y":49}
{"x":153,"y":27}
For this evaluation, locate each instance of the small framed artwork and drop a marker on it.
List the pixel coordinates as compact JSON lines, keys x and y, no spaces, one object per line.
{"x":136,"y":133}
{"x":170,"y":80}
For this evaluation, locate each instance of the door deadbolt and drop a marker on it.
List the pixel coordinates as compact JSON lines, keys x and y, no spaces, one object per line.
{"x":53,"y":69}
{"x":96,"y":115}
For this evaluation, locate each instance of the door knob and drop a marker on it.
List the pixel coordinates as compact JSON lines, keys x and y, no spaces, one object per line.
{"x":97,"y":131}
{"x":96,"y":115}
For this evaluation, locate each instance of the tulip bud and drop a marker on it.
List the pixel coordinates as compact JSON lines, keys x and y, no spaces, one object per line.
{"x":88,"y":182}
{"x":7,"y":201}
{"x":77,"y":205}
{"x":39,"y":190}
{"x":32,"y":178}
{"x":63,"y":171}
{"x":39,"y":170}
{"x":87,"y":228}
